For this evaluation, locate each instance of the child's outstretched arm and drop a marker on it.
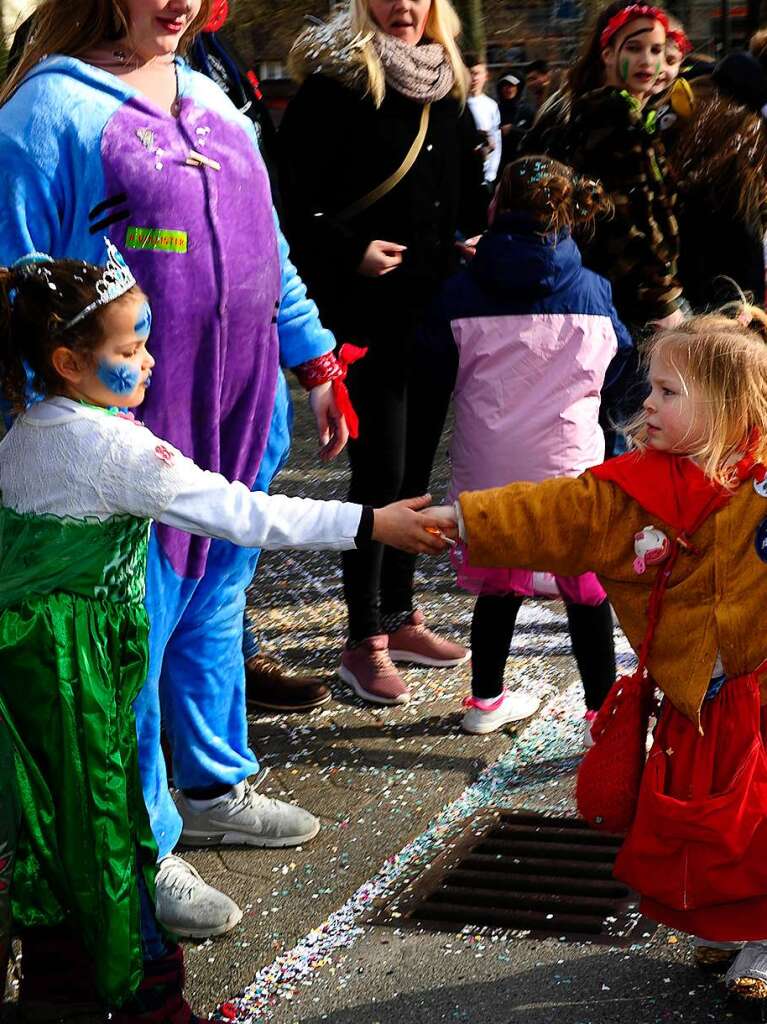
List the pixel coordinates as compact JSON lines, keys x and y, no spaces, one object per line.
{"x":254,"y":519}
{"x":560,"y":525}
{"x":148,"y":478}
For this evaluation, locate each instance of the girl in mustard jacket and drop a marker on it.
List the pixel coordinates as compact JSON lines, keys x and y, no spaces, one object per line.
{"x":692,"y":496}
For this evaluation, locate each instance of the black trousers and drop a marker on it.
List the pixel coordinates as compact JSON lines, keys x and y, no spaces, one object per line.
{"x":591,"y":634}
{"x":401,"y":394}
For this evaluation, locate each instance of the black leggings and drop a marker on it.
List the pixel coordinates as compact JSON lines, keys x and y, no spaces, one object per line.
{"x":401,"y":395}
{"x":591,"y":634}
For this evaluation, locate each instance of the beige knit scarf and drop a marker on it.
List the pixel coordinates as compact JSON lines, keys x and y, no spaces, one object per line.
{"x":421,"y":73}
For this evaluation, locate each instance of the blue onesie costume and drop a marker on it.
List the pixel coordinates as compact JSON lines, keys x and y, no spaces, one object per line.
{"x":82,"y":156}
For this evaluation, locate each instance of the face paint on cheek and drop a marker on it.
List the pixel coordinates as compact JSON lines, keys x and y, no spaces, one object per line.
{"x":144,"y":321}
{"x":119,"y":378}
{"x":624,"y":68}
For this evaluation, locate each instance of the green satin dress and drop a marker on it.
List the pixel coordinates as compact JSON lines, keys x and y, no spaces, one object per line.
{"x":73,"y":657}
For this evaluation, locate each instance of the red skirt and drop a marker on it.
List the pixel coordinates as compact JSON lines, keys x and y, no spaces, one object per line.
{"x":697,"y":850}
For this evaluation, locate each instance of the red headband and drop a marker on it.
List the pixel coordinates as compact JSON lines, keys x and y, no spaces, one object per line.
{"x":677,"y":35}
{"x":632,"y":13}
{"x":218,"y":15}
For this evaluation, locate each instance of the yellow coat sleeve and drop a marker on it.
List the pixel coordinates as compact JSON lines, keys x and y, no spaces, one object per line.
{"x":560,"y":525}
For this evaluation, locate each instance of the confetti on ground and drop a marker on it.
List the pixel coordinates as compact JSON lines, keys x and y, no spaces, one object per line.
{"x":376,"y":774}
{"x":547,"y":749}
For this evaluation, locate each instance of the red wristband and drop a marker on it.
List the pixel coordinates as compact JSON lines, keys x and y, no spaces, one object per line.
{"x":317,"y":371}
{"x":328,"y":367}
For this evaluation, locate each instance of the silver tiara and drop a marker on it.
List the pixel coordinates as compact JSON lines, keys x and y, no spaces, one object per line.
{"x":116,"y":279}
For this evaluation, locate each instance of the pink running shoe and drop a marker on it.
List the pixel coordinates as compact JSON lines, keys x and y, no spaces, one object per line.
{"x":415,"y":643}
{"x":368,"y":669}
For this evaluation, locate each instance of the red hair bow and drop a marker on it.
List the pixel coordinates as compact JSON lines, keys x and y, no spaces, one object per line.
{"x":631,"y":13}
{"x":679,"y":37}
{"x":219,"y":12}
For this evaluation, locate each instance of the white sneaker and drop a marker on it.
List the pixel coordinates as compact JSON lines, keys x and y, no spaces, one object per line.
{"x":246,"y":817}
{"x":714,"y":956}
{"x":187,"y":906}
{"x":748,"y":972}
{"x":510,"y":707}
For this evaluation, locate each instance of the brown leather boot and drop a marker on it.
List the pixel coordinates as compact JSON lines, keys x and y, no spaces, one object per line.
{"x":269,"y":687}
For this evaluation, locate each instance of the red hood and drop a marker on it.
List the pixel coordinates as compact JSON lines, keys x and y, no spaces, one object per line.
{"x":218,"y":15}
{"x":673,"y":487}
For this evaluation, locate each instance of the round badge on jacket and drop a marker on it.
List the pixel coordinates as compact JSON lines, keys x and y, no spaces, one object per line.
{"x":760,"y":486}
{"x":760,"y":540}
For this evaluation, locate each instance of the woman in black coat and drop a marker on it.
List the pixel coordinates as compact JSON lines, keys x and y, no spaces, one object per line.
{"x":373,"y":264}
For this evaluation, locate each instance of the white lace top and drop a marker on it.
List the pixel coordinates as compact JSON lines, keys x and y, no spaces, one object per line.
{"x":67,"y":459}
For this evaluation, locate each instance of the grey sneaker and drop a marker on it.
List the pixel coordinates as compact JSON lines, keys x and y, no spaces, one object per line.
{"x":246,"y":817}
{"x":187,"y":906}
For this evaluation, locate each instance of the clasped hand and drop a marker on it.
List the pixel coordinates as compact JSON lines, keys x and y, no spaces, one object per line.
{"x":413,"y":526}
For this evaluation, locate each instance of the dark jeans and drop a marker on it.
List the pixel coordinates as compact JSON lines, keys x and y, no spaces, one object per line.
{"x":401,"y":394}
{"x":591,"y":634}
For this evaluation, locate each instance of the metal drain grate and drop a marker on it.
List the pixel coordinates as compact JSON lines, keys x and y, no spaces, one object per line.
{"x":524,"y":871}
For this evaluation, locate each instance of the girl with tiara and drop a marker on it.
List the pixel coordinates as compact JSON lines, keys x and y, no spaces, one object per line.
{"x":676,"y":532}
{"x":80,"y":485}
{"x":105,"y":129}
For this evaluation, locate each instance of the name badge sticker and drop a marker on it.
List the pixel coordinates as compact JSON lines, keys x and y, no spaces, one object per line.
{"x":157,"y":240}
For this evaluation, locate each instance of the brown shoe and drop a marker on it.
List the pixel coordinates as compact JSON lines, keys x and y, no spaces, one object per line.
{"x":269,"y":687}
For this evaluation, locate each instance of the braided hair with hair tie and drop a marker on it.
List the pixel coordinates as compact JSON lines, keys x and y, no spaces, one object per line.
{"x":552,"y":194}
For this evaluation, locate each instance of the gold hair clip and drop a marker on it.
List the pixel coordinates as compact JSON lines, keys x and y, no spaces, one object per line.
{"x":196,"y":159}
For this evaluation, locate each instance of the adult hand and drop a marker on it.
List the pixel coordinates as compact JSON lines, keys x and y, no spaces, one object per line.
{"x":331,"y":424}
{"x":468,"y":247}
{"x":381,"y":258}
{"x":404,"y":526}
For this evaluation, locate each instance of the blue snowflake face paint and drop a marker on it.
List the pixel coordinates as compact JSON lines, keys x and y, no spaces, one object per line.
{"x":144,"y":321}
{"x":120,"y":378}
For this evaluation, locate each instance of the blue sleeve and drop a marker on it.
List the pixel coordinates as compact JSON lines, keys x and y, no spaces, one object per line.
{"x":302,"y":336}
{"x":29,"y":219}
{"x":625,"y":344}
{"x":28,"y":216}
